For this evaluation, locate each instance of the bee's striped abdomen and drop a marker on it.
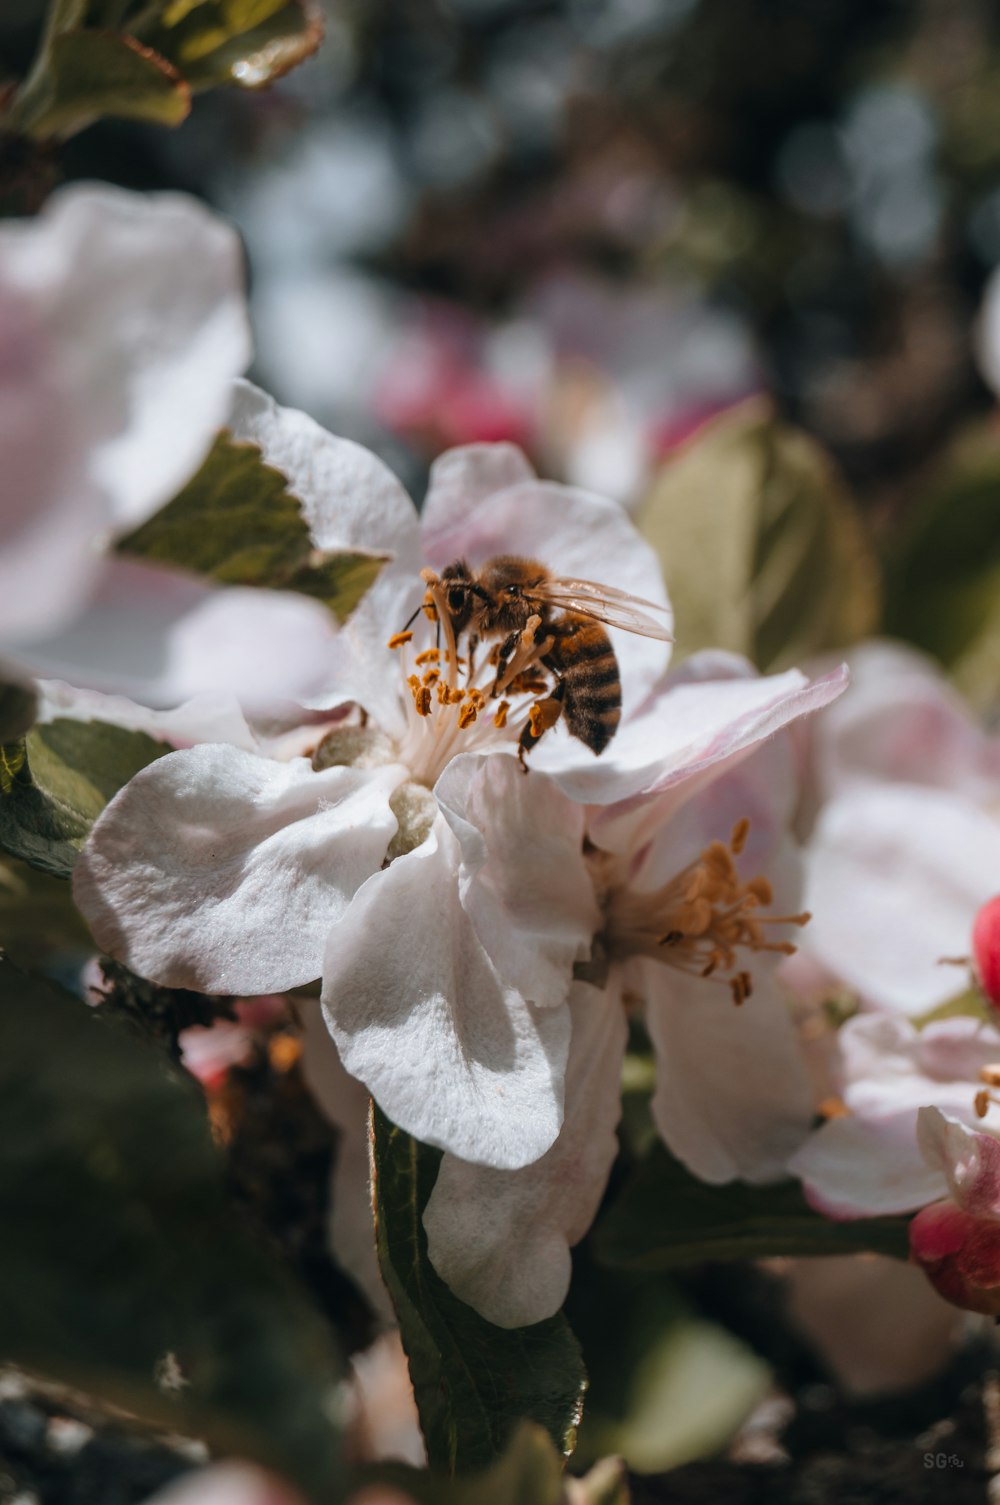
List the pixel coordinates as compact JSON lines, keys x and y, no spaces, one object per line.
{"x":584,"y":660}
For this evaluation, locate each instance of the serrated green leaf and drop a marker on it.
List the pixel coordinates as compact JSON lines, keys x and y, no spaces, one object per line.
{"x":88,"y":74}
{"x":55,"y":784}
{"x":119,"y":1249}
{"x":763,"y":551}
{"x":665,"y":1218}
{"x":944,"y":584}
{"x":473,"y":1382}
{"x":248,"y":43}
{"x":237,"y":522}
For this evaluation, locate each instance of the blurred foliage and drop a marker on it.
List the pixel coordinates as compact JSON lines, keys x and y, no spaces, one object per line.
{"x":123,"y":1271}
{"x":17,"y":711}
{"x":666,"y":1386}
{"x":55,"y":783}
{"x":944,"y":584}
{"x":40,"y":927}
{"x":237,"y":522}
{"x":473,"y":1381}
{"x":763,"y":551}
{"x":665,"y":1218}
{"x":141,"y":59}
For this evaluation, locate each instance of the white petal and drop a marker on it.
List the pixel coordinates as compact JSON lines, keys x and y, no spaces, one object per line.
{"x":450,"y":1052}
{"x":904,"y":723}
{"x":856,"y":1168}
{"x":462,"y":478}
{"x":733,"y":1097}
{"x":896,"y":875}
{"x":351,"y":501}
{"x":344,"y":1102}
{"x":220,"y":871}
{"x":142,"y":297}
{"x":572,"y":533}
{"x":680,"y":742}
{"x":204,"y":718}
{"x":501,"y":1239}
{"x":161,"y":637}
{"x":523,"y":880}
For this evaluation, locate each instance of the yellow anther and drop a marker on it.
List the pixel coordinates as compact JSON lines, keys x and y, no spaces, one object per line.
{"x":990,"y":1075}
{"x":543,"y":714}
{"x":422,"y":700}
{"x":500,"y":714}
{"x":431,"y":676}
{"x":738,"y":839}
{"x":399,"y":638}
{"x":833,"y":1107}
{"x":467,"y":715}
{"x":429,"y":656}
{"x":982,"y":1103}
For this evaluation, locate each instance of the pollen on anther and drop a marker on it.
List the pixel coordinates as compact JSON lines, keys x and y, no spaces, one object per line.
{"x":422,"y":700}
{"x":429,"y":656}
{"x":738,"y":839}
{"x":399,"y":638}
{"x":500,"y":714}
{"x":467,"y":715}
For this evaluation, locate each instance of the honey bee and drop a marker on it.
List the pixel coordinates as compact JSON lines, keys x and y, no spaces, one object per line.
{"x":535,"y":617}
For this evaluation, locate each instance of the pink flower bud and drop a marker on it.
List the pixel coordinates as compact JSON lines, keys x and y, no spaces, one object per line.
{"x":986,"y":949}
{"x":960,"y":1255}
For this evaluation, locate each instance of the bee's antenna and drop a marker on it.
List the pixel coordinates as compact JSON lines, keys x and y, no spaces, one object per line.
{"x":412,"y":618}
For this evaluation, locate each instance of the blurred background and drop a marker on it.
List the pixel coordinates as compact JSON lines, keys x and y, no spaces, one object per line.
{"x":588,"y":225}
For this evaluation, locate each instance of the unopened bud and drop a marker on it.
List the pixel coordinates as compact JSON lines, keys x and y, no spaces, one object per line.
{"x":986,"y":949}
{"x":960,"y":1255}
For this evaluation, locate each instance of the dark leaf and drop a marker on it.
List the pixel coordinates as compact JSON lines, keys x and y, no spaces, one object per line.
{"x":124,"y":1273}
{"x":90,"y":74}
{"x":249,"y":43}
{"x":473,"y":1381}
{"x":18,"y":705}
{"x":665,"y":1218}
{"x":237,"y":522}
{"x":55,"y":783}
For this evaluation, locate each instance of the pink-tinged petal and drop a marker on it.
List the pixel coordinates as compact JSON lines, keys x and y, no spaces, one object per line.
{"x":574,"y":534}
{"x":501,"y":1239}
{"x":986,"y":949}
{"x":876,"y":1323}
{"x":862,"y":1168}
{"x":523,"y":881}
{"x":220,"y":871}
{"x":896,"y":875}
{"x":142,"y":294}
{"x":681,"y":740}
{"x":450,"y":1051}
{"x":733,"y":1097}
{"x":208,"y":1052}
{"x":344,"y":1101}
{"x":960,"y":1255}
{"x":461,"y":479}
{"x":902,"y":723}
{"x":970,"y":1161}
{"x":162,"y":637}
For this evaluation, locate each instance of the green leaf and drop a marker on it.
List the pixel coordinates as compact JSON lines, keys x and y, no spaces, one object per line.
{"x":763,"y":550}
{"x":665,"y":1218}
{"x":89,"y":74}
{"x":124,"y":1273}
{"x":944,"y":585}
{"x":473,"y":1382}
{"x":55,"y":784}
{"x":248,"y":43}
{"x":40,"y":925}
{"x":237,"y":522}
{"x":667,"y":1386}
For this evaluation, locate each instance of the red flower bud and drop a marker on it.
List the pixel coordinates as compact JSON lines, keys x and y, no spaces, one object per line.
{"x":986,"y":949}
{"x":960,"y":1255}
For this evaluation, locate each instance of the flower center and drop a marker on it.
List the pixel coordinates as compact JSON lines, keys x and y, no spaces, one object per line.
{"x":700,"y":920}
{"x":463,"y":701}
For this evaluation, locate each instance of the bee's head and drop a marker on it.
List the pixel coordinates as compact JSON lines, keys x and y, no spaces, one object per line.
{"x":460,"y":594}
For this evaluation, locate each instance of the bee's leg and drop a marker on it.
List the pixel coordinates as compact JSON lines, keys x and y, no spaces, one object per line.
{"x":543,"y":715}
{"x":503,"y":654}
{"x":473,"y":645}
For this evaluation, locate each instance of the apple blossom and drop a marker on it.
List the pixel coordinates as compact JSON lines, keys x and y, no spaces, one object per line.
{"x":906,"y":846}
{"x":122,"y":325}
{"x":986,"y":949}
{"x":691,"y":941}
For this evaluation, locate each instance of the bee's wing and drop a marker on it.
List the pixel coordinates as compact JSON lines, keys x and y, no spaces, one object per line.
{"x":606,"y":604}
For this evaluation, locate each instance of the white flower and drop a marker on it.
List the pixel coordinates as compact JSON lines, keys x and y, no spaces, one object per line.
{"x":441,"y":894}
{"x":691,"y":931}
{"x":122,"y":325}
{"x":906,"y":847}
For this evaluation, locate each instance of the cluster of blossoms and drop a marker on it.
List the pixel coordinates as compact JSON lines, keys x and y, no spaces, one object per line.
{"x":486,"y":927}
